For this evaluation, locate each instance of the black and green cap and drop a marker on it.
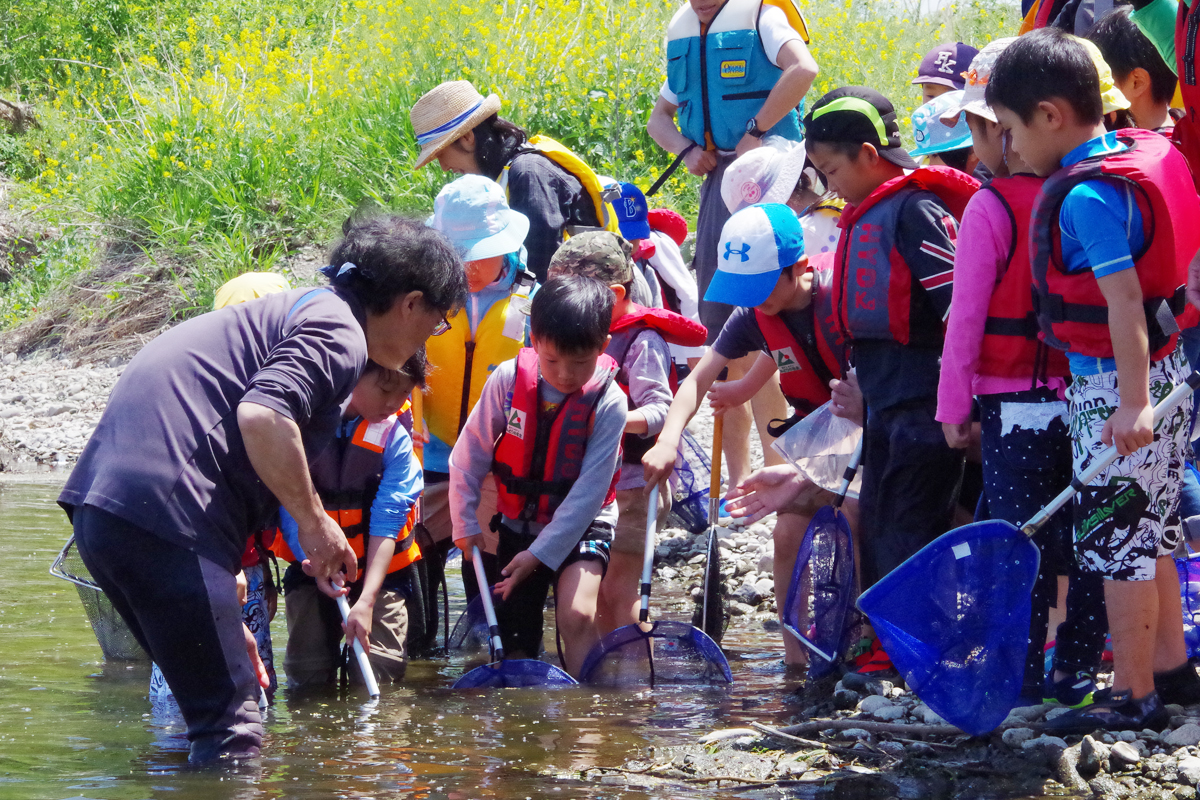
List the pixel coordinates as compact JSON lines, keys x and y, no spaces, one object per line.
{"x":857,"y":114}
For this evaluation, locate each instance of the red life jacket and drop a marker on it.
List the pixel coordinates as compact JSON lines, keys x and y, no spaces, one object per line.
{"x":874,"y":292}
{"x":674,"y":329}
{"x":1186,"y":135}
{"x":1011,"y":347}
{"x":537,"y":461}
{"x":807,"y":360}
{"x":1071,"y":310}
{"x":346,"y":476}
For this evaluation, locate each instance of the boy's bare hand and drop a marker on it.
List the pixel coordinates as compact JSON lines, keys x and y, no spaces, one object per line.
{"x":747,"y":143}
{"x":700,"y":161}
{"x":1193,"y":281}
{"x":520,"y":568}
{"x":358,"y":626}
{"x":764,"y":492}
{"x":726,"y":394}
{"x":657,"y":466}
{"x":469,"y":543}
{"x":847,"y":400}
{"x":1130,"y":428}
{"x":958,"y":435}
{"x":243,"y":587}
{"x":260,"y":669}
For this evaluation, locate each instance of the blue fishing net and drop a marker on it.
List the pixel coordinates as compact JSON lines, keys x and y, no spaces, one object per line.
{"x":954,"y":619}
{"x":690,"y":484}
{"x":1189,"y":589}
{"x":669,"y":653}
{"x":470,"y":633}
{"x":822,"y":590}
{"x":517,"y":673}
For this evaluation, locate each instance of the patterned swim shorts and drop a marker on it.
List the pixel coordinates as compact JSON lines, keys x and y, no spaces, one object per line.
{"x":1129,"y":516}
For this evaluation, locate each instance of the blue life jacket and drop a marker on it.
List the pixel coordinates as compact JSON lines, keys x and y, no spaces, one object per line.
{"x":722,"y":76}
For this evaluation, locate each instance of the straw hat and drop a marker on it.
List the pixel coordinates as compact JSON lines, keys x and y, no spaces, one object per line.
{"x":445,"y":113}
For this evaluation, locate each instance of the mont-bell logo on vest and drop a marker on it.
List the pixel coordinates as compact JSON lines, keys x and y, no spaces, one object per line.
{"x":744,"y":252}
{"x":516,"y":423}
{"x":785,"y":360}
{"x":733,"y":69}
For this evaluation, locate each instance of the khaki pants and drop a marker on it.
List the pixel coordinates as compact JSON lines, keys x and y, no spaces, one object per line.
{"x":632,"y":507}
{"x":315,"y":636}
{"x":435,"y":510}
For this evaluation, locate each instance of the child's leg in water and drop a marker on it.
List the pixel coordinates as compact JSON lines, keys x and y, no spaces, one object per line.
{"x":576,"y":595}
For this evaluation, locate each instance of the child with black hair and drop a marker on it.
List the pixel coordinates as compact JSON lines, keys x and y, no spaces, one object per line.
{"x":993,"y":357}
{"x":1138,"y":70}
{"x":892,"y":278}
{"x":1110,"y":196}
{"x":548,"y":426}
{"x":639,"y":344}
{"x":369,"y":481}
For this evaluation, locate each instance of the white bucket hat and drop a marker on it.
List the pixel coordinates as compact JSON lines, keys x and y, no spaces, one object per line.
{"x":767,"y":174}
{"x":445,"y":113}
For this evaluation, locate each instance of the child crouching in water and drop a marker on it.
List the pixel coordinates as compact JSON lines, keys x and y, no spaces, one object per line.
{"x":369,"y":481}
{"x":548,"y":425}
{"x":640,"y":346}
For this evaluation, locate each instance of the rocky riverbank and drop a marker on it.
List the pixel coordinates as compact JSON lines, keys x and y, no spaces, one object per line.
{"x":48,"y":409}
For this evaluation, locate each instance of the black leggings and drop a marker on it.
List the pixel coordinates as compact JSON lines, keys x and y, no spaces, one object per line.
{"x":183,"y":609}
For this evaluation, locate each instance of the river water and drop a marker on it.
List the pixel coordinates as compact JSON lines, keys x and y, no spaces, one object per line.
{"x":72,"y":726}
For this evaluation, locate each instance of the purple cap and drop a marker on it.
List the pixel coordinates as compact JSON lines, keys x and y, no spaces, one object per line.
{"x":945,"y":65}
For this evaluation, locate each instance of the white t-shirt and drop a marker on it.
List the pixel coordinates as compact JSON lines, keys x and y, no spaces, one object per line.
{"x":775,"y":31}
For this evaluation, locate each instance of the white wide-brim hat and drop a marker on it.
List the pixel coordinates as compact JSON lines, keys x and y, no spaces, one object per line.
{"x":766,"y":174}
{"x":445,"y":113}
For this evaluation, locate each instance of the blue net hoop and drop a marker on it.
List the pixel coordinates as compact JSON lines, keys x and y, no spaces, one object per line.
{"x":822,"y":590}
{"x":954,"y":619}
{"x":514,"y":674}
{"x":668,"y":653}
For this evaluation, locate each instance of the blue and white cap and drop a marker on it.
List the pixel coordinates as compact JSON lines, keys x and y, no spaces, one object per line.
{"x":934,"y":136}
{"x":473,"y":212}
{"x":757,"y":243}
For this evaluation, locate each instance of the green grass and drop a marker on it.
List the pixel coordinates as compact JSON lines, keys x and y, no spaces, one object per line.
{"x":223,"y":134}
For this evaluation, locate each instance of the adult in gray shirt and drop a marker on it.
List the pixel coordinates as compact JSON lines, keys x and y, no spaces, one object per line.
{"x":210,"y":428}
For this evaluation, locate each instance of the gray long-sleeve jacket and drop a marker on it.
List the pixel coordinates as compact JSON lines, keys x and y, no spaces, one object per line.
{"x":471,"y":461}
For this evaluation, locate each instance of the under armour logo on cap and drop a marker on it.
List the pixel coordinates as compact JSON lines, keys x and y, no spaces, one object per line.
{"x":744,"y":252}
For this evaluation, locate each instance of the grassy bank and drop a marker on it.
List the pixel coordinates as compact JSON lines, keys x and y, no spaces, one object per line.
{"x":216,"y":136}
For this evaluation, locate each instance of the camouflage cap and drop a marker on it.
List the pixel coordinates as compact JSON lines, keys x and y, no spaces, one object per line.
{"x":602,"y":255}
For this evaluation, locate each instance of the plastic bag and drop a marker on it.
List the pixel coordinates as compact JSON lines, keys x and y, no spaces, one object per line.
{"x":820,"y":446}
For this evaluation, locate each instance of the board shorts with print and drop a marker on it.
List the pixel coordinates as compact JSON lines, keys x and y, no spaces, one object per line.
{"x":1129,"y":516}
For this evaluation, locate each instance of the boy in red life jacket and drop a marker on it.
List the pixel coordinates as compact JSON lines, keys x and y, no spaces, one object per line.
{"x":1113,"y":227}
{"x":548,"y":426}
{"x":1138,"y":70}
{"x":993,"y":353}
{"x":369,"y":481}
{"x":639,"y":339}
{"x":784,"y":312}
{"x":892,"y":278}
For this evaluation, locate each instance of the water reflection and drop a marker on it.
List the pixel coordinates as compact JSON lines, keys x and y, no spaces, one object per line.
{"x":73,"y":726}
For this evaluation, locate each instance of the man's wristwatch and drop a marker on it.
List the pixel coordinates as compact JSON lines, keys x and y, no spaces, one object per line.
{"x":752,"y":129}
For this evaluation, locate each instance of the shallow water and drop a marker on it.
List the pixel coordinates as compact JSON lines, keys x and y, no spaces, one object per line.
{"x":72,"y":726}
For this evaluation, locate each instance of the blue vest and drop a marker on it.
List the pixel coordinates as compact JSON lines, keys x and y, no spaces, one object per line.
{"x":723,"y":76}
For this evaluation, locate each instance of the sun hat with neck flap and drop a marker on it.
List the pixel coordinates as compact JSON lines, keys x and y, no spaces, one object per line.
{"x":446,"y":112}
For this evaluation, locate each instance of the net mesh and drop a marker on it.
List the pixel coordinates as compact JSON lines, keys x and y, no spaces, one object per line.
{"x":470,"y":633}
{"x":115,"y":639}
{"x":714,"y":598}
{"x":1189,"y":587}
{"x":689,"y":484}
{"x":954,"y":619}
{"x":515,"y":674}
{"x":669,"y":653}
{"x":822,"y":589}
